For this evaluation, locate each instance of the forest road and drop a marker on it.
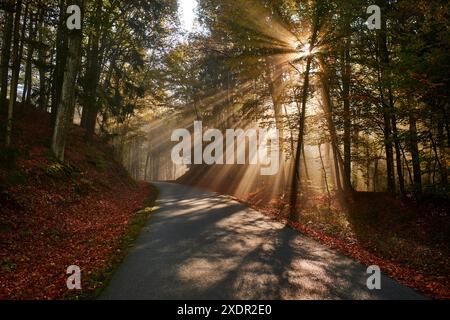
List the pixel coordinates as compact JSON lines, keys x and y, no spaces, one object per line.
{"x":202,"y":245}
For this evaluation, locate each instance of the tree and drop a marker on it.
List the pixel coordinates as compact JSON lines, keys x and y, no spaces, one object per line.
{"x":9,"y":8}
{"x":15,"y":73}
{"x":64,"y":116}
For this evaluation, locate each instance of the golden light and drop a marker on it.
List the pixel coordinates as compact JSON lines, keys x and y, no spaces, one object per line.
{"x":289,"y":48}
{"x":306,"y":50}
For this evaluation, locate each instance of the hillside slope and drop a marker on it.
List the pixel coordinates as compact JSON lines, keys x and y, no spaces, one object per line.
{"x":54,"y":215}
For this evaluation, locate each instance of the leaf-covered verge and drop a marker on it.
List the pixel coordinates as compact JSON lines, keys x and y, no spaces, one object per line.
{"x":407,"y":239}
{"x":82,"y":212}
{"x":100,"y":279}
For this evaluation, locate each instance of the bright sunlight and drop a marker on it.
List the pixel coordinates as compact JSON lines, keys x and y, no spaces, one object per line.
{"x":186,"y":12}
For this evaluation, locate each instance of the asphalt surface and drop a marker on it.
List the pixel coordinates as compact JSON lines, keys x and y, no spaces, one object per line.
{"x":201,"y":245}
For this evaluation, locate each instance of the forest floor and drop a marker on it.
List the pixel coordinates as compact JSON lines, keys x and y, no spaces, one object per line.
{"x":83,"y":212}
{"x":408,"y":239}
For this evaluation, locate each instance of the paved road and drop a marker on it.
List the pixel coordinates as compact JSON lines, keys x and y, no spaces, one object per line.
{"x":201,"y":245}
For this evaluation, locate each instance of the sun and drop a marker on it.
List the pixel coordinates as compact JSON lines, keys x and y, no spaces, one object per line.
{"x":186,"y":12}
{"x":305,"y":50}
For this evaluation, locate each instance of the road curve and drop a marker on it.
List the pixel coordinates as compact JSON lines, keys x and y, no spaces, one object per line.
{"x":201,"y":245}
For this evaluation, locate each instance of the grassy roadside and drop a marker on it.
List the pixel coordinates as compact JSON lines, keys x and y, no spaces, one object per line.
{"x":100,"y":279}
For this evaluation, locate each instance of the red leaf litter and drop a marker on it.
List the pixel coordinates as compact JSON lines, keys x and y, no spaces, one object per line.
{"x":49,"y":223}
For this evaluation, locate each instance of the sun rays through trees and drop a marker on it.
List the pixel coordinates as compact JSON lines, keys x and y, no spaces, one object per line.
{"x":355,"y":90}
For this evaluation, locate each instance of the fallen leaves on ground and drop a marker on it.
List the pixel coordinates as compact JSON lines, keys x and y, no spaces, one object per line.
{"x":59,"y":216}
{"x":429,"y":275}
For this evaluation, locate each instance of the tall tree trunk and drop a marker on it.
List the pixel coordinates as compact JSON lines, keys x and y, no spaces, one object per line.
{"x":325,"y":175}
{"x":6,"y":54}
{"x":26,"y":94}
{"x":398,"y":155}
{"x":346,"y":76}
{"x":42,"y":61}
{"x":15,"y":73}
{"x":375,"y":176}
{"x":414,"y":149}
{"x":367,"y":147}
{"x":275,"y":82}
{"x":60,"y":61}
{"x":147,"y":161}
{"x":90,"y":107}
{"x":408,"y":169}
{"x":384,"y":85}
{"x":296,"y":174}
{"x":67,"y":102}
{"x":296,"y":179}
{"x":305,"y":163}
{"x":23,"y":37}
{"x":437,"y":158}
{"x":389,"y":151}
{"x":387,"y":111}
{"x":443,"y":152}
{"x":16,"y":67}
{"x":328,"y":111}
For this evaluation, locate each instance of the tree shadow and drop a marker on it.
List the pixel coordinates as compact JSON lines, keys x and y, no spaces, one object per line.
{"x":199,"y":246}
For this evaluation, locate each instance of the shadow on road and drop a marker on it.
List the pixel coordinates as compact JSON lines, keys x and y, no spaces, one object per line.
{"x":205,"y":246}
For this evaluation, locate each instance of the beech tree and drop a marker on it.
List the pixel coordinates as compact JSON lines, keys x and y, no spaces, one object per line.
{"x":65,"y":111}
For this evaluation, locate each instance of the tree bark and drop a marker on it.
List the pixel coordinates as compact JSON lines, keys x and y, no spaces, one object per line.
{"x":296,"y":177}
{"x":26,"y":94}
{"x":15,"y":73}
{"x":6,"y":54}
{"x":60,"y":60}
{"x":443,"y":152}
{"x":414,"y":150}
{"x":67,"y":102}
{"x":325,"y":175}
{"x":345,"y":71}
{"x":386,"y":97}
{"x":92,"y":79}
{"x":275,"y":84}
{"x":328,"y":107}
{"x":398,"y":155}
{"x":42,"y":58}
